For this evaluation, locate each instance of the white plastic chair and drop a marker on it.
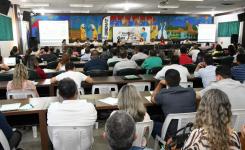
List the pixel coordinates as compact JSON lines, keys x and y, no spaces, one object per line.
{"x":20,"y":94}
{"x":238,"y":119}
{"x":141,"y":86}
{"x":3,"y":140}
{"x":73,"y":138}
{"x":183,"y":119}
{"x":186,"y":84}
{"x":141,"y":128}
{"x":104,"y":88}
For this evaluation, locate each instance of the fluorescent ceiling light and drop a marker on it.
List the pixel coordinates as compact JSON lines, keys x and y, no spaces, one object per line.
{"x":151,"y":12}
{"x":205,"y":7}
{"x":126,"y":6}
{"x":30,"y":5}
{"x":182,"y":12}
{"x":80,"y":11}
{"x":82,"y":5}
{"x":190,"y":0}
{"x":168,"y":6}
{"x":115,"y":11}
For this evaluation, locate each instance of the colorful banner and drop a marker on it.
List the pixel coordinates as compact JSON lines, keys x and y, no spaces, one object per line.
{"x":105,"y":28}
{"x":131,"y":34}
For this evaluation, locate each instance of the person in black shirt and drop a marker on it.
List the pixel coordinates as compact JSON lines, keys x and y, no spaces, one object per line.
{"x":95,"y":63}
{"x":49,"y":56}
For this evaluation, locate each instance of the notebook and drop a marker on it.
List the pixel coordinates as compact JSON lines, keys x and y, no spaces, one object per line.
{"x":9,"y":107}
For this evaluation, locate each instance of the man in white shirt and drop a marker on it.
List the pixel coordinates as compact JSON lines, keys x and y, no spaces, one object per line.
{"x":124,"y":63}
{"x":115,"y":57}
{"x":139,"y":54}
{"x":78,"y":77}
{"x":234,"y":89}
{"x":183,"y":71}
{"x":87,"y":55}
{"x":206,"y":70}
{"x":194,"y":52}
{"x":71,"y":111}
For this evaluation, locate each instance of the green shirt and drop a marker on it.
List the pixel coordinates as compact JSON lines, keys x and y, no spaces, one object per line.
{"x":152,"y":62}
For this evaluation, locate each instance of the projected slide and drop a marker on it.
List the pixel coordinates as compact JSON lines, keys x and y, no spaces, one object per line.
{"x":131,"y":34}
{"x":206,"y":32}
{"x":53,"y":32}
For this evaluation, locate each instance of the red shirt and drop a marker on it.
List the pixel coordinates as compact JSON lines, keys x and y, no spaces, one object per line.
{"x":184,"y":59}
{"x":40,"y":73}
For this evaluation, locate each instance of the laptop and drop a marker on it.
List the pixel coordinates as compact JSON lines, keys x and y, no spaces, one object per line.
{"x":10,"y":61}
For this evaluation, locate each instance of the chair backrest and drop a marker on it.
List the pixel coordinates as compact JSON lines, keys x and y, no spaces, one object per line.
{"x":141,"y":86}
{"x":190,"y":67}
{"x":73,"y":138}
{"x":20,"y":94}
{"x":139,"y":62}
{"x":127,"y":71}
{"x":186,"y":84}
{"x":183,"y":119}
{"x":112,"y":64}
{"x":97,"y":73}
{"x":238,"y":119}
{"x":52,"y":65}
{"x":104,"y":88}
{"x":141,"y":129}
{"x":154,"y":70}
{"x":3,"y":140}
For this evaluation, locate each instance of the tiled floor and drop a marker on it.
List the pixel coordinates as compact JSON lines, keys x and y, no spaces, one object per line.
{"x":30,"y":143}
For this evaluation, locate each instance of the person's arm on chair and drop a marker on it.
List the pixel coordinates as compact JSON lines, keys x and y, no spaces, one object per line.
{"x":89,"y":80}
{"x":157,"y":90}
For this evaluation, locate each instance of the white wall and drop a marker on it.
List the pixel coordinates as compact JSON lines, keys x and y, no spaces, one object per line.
{"x":6,"y":46}
{"x":225,"y":41}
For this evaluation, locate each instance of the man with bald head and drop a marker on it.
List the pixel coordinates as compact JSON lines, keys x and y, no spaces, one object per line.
{"x":95,"y":63}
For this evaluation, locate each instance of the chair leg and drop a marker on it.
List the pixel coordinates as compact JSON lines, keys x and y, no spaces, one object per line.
{"x":34,"y":131}
{"x":96,"y":125}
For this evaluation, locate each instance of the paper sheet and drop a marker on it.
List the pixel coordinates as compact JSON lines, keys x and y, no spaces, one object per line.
{"x":9,"y":107}
{"x":26,"y":107}
{"x":110,"y":101}
{"x":148,"y":98}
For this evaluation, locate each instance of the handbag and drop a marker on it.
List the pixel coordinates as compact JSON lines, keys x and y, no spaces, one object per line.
{"x":179,"y":137}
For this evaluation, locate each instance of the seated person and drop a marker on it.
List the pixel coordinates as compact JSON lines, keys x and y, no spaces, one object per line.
{"x":61,"y":65}
{"x":206,"y":70}
{"x":139,"y":54}
{"x":105,"y":55}
{"x":32,"y":63}
{"x":238,"y":72}
{"x":15,"y":53}
{"x":120,"y":131}
{"x":48,"y":56}
{"x":234,"y":89}
{"x":194,"y":52}
{"x":78,"y":77}
{"x":13,"y":137}
{"x":218,"y":51}
{"x":184,"y":59}
{"x":20,"y":80}
{"x":130,"y":100}
{"x":152,"y":61}
{"x":183,"y":71}
{"x":213,"y":124}
{"x":87,"y":55}
{"x":70,"y":111}
{"x":115,"y":58}
{"x":95,"y":63}
{"x":2,"y":65}
{"x":172,"y":99}
{"x":124,"y":63}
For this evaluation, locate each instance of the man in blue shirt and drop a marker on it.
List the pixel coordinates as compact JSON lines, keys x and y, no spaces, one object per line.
{"x":95,"y":63}
{"x":238,"y":72}
{"x":172,"y":99}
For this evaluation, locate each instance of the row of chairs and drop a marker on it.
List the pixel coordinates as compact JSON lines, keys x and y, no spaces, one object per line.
{"x":81,"y":138}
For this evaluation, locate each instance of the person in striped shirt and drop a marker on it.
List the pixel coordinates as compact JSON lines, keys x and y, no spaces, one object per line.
{"x":238,"y":72}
